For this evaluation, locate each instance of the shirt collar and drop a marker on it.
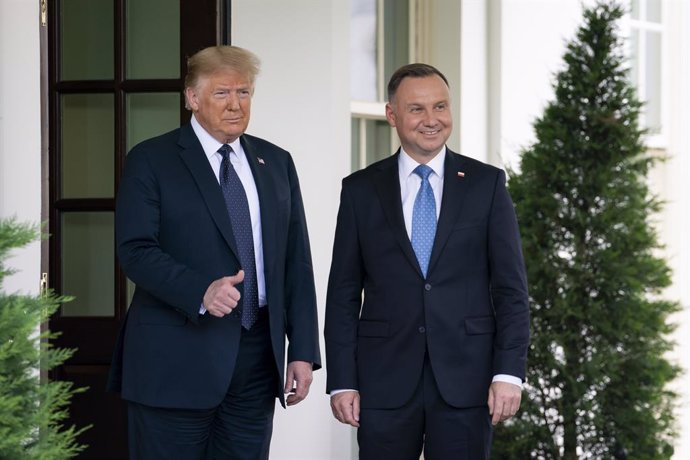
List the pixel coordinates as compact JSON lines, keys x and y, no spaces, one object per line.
{"x":406,"y":164}
{"x":209,"y":143}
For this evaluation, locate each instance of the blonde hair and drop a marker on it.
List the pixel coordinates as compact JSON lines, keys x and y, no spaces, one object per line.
{"x":225,"y":57}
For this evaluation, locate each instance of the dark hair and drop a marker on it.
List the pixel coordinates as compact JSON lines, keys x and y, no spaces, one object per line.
{"x":416,"y":70}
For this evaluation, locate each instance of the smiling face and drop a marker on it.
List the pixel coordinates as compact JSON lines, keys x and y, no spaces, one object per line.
{"x":221,"y":103}
{"x":420,"y":113}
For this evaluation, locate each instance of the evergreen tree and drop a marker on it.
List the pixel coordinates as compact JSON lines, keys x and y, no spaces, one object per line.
{"x":597,"y":373}
{"x":32,"y":411}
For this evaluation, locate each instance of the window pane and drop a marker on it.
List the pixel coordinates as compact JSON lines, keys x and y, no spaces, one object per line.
{"x":153,"y":39}
{"x":88,"y":263}
{"x":635,"y":9}
{"x":86,"y":31}
{"x":151,"y":114}
{"x":378,"y":140}
{"x":653,"y":83}
{"x":654,"y":11}
{"x":355,"y":136}
{"x":363,"y":50}
{"x":87,"y":145}
{"x":396,"y":37}
{"x":634,"y":57}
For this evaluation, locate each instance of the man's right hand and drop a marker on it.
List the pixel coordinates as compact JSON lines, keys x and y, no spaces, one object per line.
{"x":345,"y":406}
{"x":222,"y":296}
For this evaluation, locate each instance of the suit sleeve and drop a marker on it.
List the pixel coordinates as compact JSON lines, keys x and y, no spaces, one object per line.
{"x":301,"y":313}
{"x":508,"y":285}
{"x":344,"y":299}
{"x":137,"y":226}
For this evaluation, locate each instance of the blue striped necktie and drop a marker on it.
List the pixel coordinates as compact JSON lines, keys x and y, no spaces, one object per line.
{"x":424,"y":219}
{"x":238,"y":208}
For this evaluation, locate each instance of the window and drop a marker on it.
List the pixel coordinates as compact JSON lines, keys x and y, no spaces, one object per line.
{"x":646,"y":39}
{"x":380,"y":42}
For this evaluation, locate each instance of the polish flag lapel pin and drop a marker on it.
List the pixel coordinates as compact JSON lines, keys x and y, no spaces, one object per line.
{"x":260,"y":160}
{"x":461,"y":174}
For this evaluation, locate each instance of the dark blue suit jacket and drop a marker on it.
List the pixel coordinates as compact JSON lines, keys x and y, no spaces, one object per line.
{"x":174,"y":238}
{"x":470,"y":313}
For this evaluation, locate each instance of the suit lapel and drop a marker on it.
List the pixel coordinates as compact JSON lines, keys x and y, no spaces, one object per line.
{"x":265,"y":188}
{"x":387,"y":184}
{"x":454,"y":189}
{"x":194,"y":157}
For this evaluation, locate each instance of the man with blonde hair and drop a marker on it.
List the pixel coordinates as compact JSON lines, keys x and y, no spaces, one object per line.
{"x":210,"y":226}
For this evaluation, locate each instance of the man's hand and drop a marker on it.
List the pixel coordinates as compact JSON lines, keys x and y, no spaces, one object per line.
{"x":504,"y":401}
{"x":345,"y":406}
{"x":297,"y":381}
{"x":222,"y":296}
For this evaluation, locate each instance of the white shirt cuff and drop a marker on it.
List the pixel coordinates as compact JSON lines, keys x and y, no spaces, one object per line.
{"x":335,"y":392}
{"x":508,"y":379}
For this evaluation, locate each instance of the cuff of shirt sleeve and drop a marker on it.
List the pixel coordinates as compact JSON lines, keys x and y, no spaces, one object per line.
{"x":335,"y":392}
{"x":508,"y":379}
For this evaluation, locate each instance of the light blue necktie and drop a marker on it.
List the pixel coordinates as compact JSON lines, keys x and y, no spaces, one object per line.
{"x":238,"y":208}
{"x":423,"y":219}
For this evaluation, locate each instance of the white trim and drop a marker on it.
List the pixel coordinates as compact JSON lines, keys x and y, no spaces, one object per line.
{"x":643,"y":26}
{"x":366,"y":109}
{"x":380,"y":51}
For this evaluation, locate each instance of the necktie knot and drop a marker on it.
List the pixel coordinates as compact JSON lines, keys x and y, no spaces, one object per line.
{"x":423,"y":171}
{"x":225,"y":151}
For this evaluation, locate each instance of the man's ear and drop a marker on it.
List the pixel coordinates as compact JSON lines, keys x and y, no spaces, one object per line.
{"x":390,"y":115}
{"x":191,"y":99}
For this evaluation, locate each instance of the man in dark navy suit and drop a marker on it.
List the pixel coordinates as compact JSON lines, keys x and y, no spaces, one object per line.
{"x":210,"y":226}
{"x":436,"y":351}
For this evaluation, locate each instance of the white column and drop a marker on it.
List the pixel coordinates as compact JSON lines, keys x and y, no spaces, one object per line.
{"x":672,"y":182}
{"x":20,"y":133}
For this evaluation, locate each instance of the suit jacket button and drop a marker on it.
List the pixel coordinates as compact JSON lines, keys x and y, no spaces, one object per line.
{"x":421,"y":329}
{"x":427,"y":287}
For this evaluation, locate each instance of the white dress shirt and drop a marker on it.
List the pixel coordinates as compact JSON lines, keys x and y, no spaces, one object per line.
{"x":241,"y":164}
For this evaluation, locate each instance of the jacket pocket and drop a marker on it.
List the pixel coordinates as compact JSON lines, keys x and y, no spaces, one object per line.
{"x":372,"y":329}
{"x":465,"y":224}
{"x":160,"y":316}
{"x":480,"y":325}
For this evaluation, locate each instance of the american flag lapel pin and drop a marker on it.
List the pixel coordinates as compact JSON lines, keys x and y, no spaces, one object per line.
{"x":461,"y":174}
{"x":261,"y":160}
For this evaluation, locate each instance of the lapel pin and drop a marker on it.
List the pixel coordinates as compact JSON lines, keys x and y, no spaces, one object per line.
{"x":461,"y":174}
{"x":261,"y":160}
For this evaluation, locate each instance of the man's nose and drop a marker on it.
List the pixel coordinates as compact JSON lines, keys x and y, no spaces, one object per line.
{"x":233,"y":102}
{"x":429,"y":118}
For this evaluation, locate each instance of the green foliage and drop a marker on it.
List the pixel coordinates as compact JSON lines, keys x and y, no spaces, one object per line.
{"x":33,"y":411}
{"x":597,"y":376}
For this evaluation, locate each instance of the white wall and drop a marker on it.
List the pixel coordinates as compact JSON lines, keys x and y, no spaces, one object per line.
{"x":302,"y":103}
{"x":526,"y":49}
{"x":20,"y":132}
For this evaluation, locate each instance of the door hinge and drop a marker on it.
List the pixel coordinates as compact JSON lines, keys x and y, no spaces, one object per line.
{"x":44,"y":284}
{"x":44,"y":14}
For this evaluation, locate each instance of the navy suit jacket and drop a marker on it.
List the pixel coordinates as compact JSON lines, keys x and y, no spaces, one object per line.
{"x":470,"y":313}
{"x":174,"y":238}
